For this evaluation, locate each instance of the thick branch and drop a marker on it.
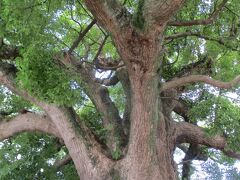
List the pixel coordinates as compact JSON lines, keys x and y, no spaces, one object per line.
{"x":158,"y":12}
{"x":84,"y":150}
{"x":200,"y":78}
{"x":207,"y":21}
{"x":189,"y":133}
{"x":111,"y":67}
{"x":65,"y":120}
{"x":110,"y":14}
{"x":202,"y":66}
{"x":181,"y":109}
{"x":123,"y":77}
{"x":27,"y":122}
{"x":99,"y":95}
{"x":7,"y":78}
{"x":193,"y":152}
{"x":8,"y":75}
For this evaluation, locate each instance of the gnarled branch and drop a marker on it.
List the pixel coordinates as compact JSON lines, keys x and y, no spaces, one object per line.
{"x":80,"y":142}
{"x":189,"y":133}
{"x":200,"y":78}
{"x":7,"y":78}
{"x":27,"y":122}
{"x":181,"y":109}
{"x":66,"y":121}
{"x":99,"y":95}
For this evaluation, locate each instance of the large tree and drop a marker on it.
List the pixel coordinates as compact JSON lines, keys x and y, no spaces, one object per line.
{"x":168,"y":64}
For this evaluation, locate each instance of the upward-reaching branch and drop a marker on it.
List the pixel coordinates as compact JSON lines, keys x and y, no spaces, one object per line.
{"x":86,"y":153}
{"x":124,"y":79}
{"x":158,"y":12}
{"x":99,"y":95}
{"x":7,"y":78}
{"x":81,"y":36}
{"x":110,"y":14}
{"x":66,"y":121}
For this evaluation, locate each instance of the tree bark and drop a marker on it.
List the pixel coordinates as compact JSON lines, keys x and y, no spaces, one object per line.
{"x":27,"y":122}
{"x":150,"y":152}
{"x":89,"y":162}
{"x":152,"y":133}
{"x":150,"y":147}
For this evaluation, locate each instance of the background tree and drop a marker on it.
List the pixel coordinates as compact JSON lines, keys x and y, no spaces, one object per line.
{"x":119,"y":86}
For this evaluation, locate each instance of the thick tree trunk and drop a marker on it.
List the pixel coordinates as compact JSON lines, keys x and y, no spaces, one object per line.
{"x":150,"y":148}
{"x":152,"y":135}
{"x":151,"y":145}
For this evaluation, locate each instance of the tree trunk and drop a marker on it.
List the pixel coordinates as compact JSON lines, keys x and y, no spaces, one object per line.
{"x":146,"y":127}
{"x":150,"y":148}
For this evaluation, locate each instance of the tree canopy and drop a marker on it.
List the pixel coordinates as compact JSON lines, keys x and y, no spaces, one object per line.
{"x":70,"y":56}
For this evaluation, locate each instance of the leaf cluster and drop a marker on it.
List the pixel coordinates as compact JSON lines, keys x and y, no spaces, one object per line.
{"x":44,"y":79}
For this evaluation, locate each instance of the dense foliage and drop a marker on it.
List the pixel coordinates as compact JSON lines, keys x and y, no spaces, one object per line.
{"x":43,"y":29}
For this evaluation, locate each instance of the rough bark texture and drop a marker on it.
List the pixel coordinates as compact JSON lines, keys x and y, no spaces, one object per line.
{"x":147,"y":135}
{"x":110,"y":115}
{"x":149,"y":145}
{"x":90,"y":164}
